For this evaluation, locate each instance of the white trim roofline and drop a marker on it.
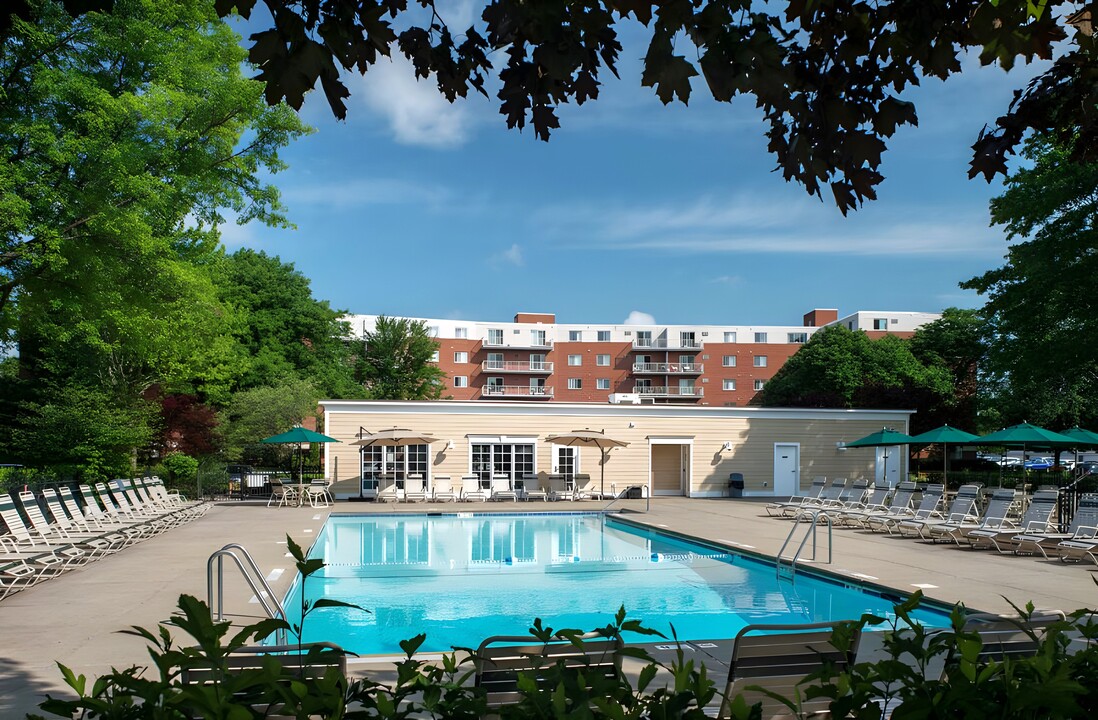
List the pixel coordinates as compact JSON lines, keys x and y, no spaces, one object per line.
{"x":482,"y":407}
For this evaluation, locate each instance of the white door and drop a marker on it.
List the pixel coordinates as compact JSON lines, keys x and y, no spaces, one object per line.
{"x":787,"y":468}
{"x":889,"y":461}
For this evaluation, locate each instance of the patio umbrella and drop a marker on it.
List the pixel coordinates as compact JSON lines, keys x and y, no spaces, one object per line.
{"x":945,"y":435}
{"x":299,"y":436}
{"x":885,"y":437}
{"x":1024,"y":434}
{"x":393,"y":437}
{"x":1084,"y":438}
{"x":591,"y":438}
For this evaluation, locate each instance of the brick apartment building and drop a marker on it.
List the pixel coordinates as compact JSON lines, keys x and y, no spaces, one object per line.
{"x":536,"y":358}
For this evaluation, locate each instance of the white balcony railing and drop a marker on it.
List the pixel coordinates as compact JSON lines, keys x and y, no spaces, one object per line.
{"x":668,"y":368}
{"x":666,"y":344}
{"x":522,"y":343}
{"x":519,"y":391}
{"x":516,"y":366}
{"x":669,"y":391}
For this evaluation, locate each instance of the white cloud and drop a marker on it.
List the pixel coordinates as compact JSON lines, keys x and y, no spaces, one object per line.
{"x":415,"y":110}
{"x":748,"y":223}
{"x":510,"y":256}
{"x":726,"y":280}
{"x":639,"y":318}
{"x":365,"y":191}
{"x":235,"y":236}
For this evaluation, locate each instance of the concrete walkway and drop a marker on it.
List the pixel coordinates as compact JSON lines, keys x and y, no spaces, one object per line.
{"x":74,"y":618}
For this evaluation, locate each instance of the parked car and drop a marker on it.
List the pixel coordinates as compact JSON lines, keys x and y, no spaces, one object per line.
{"x":1039,"y":463}
{"x":1090,"y":467}
{"x":1010,"y":461}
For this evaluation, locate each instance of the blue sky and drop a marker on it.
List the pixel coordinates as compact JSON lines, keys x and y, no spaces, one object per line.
{"x":416,"y":207}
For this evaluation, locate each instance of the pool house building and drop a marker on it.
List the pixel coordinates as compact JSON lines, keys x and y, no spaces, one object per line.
{"x":671,"y":450}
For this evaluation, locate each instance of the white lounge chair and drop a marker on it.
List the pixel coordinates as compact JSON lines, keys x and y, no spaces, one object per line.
{"x":901,"y":510}
{"x":443,"y":489}
{"x":415,"y":490}
{"x":994,"y":518}
{"x":819,"y":483}
{"x":532,"y":489}
{"x":1083,"y":528}
{"x":961,"y":510}
{"x":471,"y":489}
{"x":501,"y":488}
{"x":1037,"y":519}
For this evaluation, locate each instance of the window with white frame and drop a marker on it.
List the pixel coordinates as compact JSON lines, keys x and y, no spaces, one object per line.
{"x":461,"y":357}
{"x":759,"y":385}
{"x":602,"y":383}
{"x":434,"y":356}
{"x":760,"y":360}
{"x":760,"y":337}
{"x":728,"y":361}
{"x":575,"y":383}
{"x":729,"y":384}
{"x":537,"y":338}
{"x":575,"y":360}
{"x":730,"y":337}
{"x":495,"y":361}
{"x":575,"y":335}
{"x":602,"y":360}
{"x":604,"y":336}
{"x":461,"y":381}
{"x":495,"y":336}
{"x":798,"y":337}
{"x":461,"y":333}
{"x":880,"y":323}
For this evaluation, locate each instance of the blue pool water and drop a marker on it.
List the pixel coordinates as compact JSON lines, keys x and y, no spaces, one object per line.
{"x":461,"y":578}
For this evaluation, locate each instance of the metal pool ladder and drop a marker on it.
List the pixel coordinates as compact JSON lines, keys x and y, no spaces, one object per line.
{"x":252,"y":575}
{"x":820,"y":517}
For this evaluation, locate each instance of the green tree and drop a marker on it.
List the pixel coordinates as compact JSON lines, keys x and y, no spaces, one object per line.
{"x":261,"y":412}
{"x":125,"y":137}
{"x":396,"y":364}
{"x":844,"y":368}
{"x":1042,"y":319}
{"x":956,"y":342}
{"x":282,"y":330}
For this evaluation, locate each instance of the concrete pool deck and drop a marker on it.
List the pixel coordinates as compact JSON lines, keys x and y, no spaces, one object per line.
{"x":74,"y":618}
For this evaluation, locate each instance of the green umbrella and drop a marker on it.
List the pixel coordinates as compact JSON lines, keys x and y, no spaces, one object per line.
{"x":944,"y":435}
{"x":1085,"y":438}
{"x":884,"y":437}
{"x":1024,"y":434}
{"x":298,"y":435}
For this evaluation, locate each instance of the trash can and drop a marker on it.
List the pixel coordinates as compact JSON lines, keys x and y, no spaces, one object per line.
{"x":735,"y":485}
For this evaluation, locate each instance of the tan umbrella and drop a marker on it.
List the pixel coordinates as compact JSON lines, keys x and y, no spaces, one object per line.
{"x":393,"y":437}
{"x":591,"y":438}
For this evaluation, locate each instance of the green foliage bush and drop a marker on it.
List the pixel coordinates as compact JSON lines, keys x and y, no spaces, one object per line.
{"x":181,"y":470}
{"x":924,"y":674}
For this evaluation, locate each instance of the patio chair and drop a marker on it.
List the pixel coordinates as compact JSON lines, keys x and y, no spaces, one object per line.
{"x":1037,"y":519}
{"x":929,"y":502}
{"x":97,"y":520}
{"x":22,"y":539}
{"x":819,"y":483}
{"x":532,"y":488}
{"x":873,"y":502}
{"x":501,"y":488}
{"x":961,"y":510}
{"x":560,"y":488}
{"x":415,"y":490}
{"x":994,"y":518}
{"x":849,"y":496}
{"x":584,"y":488}
{"x":778,"y":658}
{"x":501,"y":659}
{"x":443,"y":489}
{"x":898,"y":503}
{"x":318,"y":494}
{"x":74,"y":530}
{"x":390,"y":493}
{"x":832,"y":495}
{"x":471,"y":489}
{"x":282,"y":494}
{"x":1083,"y":528}
{"x":1005,"y":636}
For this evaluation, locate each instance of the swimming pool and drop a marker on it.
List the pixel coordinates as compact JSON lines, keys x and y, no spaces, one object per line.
{"x":462,"y":577}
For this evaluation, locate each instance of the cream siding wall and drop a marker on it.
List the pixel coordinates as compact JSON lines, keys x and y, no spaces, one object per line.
{"x":752,"y":431}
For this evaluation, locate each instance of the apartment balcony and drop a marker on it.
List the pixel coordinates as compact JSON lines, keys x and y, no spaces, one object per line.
{"x":518,"y":344}
{"x":519,"y":392}
{"x":666,"y":344}
{"x":668,"y":368}
{"x":499,"y":366}
{"x":671,"y":391}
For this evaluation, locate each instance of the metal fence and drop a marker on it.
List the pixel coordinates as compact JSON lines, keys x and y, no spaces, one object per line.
{"x":252,"y":483}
